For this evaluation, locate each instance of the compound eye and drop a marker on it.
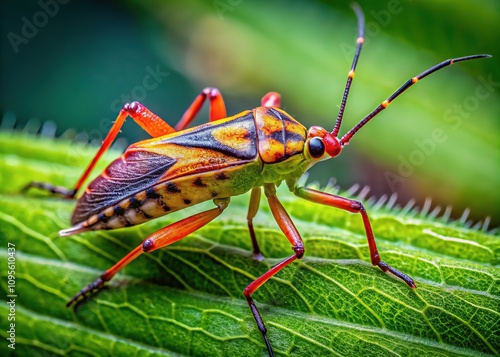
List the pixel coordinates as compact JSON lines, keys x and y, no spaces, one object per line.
{"x":316,"y":148}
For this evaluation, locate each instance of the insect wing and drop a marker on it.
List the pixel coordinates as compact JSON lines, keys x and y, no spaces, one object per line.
{"x":208,"y":147}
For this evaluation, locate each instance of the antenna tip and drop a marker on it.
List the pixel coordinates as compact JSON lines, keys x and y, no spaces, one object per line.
{"x":357,"y":9}
{"x":467,"y":58}
{"x":483,"y":55}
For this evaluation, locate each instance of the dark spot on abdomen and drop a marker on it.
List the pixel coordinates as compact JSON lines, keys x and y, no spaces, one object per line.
{"x":172,"y":187}
{"x":135,"y":203}
{"x":151,"y":193}
{"x":221,"y":176}
{"x":199,"y":183}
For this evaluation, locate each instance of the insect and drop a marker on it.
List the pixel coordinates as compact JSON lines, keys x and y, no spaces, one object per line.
{"x":253,"y":150}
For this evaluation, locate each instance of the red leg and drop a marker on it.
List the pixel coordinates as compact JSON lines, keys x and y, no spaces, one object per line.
{"x":288,"y":228}
{"x":271,"y":99}
{"x":165,"y":236}
{"x":355,"y":207}
{"x":150,"y":122}
{"x":217,"y":107}
{"x":252,"y":211}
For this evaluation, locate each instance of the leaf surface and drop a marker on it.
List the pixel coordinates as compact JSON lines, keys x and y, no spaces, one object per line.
{"x":186,"y":299}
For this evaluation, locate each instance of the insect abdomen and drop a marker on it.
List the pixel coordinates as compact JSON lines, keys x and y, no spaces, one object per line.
{"x":171,"y":196}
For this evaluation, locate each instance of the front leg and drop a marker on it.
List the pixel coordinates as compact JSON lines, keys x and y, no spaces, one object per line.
{"x":355,"y":207}
{"x":288,"y":228}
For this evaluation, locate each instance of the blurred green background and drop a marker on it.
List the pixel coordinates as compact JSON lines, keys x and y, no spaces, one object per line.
{"x":76,"y":63}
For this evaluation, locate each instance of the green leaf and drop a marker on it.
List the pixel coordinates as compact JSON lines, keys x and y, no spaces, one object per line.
{"x":186,"y":299}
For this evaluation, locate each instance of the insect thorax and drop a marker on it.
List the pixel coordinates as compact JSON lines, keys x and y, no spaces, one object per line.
{"x":279,"y":136}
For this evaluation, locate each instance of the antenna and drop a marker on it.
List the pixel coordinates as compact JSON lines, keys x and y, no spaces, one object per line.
{"x":347,"y":137}
{"x":359,"y":44}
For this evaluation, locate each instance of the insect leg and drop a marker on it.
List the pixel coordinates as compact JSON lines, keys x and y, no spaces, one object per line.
{"x":217,"y":107}
{"x":355,"y":207}
{"x":252,"y":211}
{"x":165,"y":236}
{"x":271,"y":99}
{"x":150,"y":122}
{"x":288,"y":228}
